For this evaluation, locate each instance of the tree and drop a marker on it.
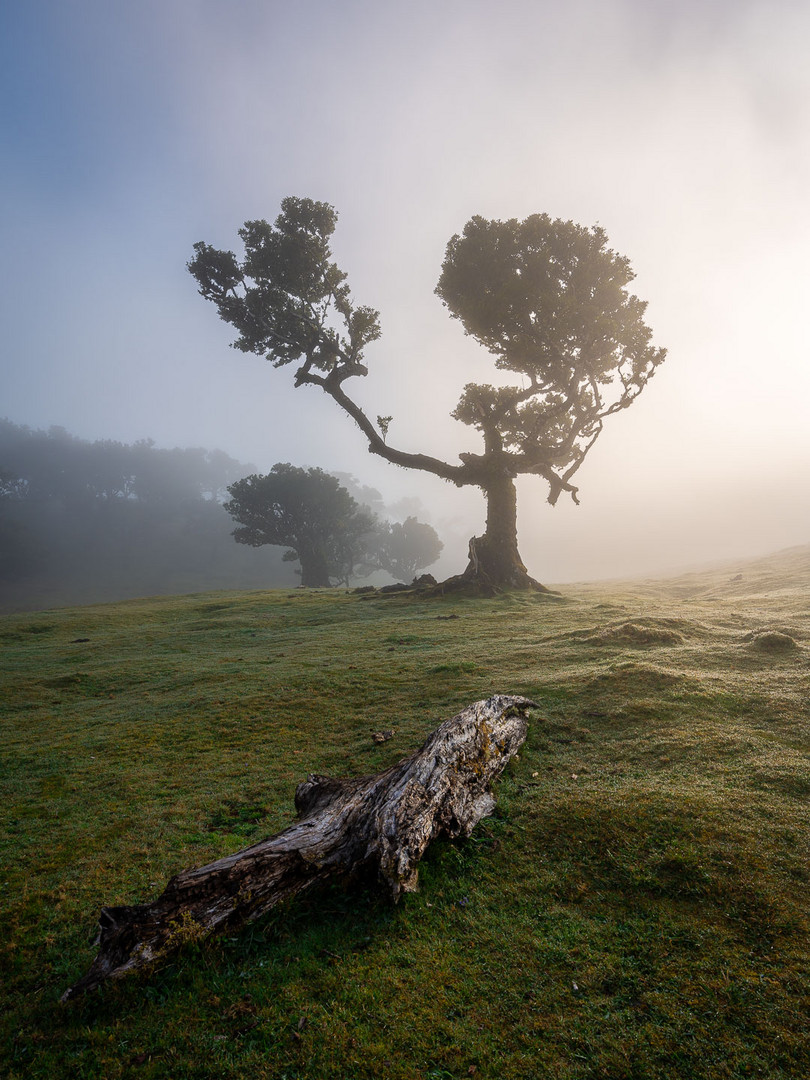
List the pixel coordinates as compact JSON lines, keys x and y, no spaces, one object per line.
{"x":546,"y":297}
{"x":402,"y":550}
{"x":307,"y":511}
{"x":399,"y":549}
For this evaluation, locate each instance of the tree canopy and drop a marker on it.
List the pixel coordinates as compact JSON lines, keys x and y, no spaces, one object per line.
{"x":402,"y":549}
{"x":548,"y":298}
{"x":306,"y":511}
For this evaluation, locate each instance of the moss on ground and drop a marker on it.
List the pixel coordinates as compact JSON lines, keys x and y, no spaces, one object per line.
{"x":636,"y":908}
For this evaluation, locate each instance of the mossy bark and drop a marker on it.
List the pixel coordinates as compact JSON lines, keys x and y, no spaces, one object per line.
{"x":495,"y":563}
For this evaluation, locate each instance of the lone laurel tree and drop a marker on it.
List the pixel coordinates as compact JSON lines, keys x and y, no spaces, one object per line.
{"x":548,"y":298}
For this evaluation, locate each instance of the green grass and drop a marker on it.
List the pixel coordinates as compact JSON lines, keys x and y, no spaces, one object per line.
{"x":637,"y":907}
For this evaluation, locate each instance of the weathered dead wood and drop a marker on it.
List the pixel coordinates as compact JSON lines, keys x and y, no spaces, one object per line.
{"x":384,"y":822}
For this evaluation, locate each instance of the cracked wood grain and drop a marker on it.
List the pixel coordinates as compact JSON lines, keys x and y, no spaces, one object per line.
{"x":385,"y":821}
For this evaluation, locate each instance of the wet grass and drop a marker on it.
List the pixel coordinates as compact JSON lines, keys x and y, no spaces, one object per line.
{"x":637,"y":907}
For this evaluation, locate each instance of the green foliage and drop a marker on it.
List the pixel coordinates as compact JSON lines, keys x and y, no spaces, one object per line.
{"x":549,"y":299}
{"x":284,"y":296}
{"x":637,"y":907}
{"x":307,"y":510}
{"x":544,"y":295}
{"x":403,"y":549}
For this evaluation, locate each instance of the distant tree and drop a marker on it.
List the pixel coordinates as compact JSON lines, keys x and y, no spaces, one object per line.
{"x":306,"y":511}
{"x":402,"y":550}
{"x":399,"y":549}
{"x":365,"y":496}
{"x":220,"y":471}
{"x":546,"y":297}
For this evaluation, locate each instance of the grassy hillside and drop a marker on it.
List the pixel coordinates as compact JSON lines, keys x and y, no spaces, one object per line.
{"x":637,"y":908}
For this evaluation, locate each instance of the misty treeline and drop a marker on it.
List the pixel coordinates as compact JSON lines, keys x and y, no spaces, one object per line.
{"x":87,"y":522}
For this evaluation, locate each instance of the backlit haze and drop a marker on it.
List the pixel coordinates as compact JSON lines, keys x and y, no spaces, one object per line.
{"x":132,"y":131}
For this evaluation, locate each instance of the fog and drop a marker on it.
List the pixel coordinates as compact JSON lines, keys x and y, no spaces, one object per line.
{"x":132,"y":132}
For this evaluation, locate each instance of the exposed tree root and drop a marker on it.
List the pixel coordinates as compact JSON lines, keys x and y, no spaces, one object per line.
{"x":469,"y":584}
{"x":481,"y":584}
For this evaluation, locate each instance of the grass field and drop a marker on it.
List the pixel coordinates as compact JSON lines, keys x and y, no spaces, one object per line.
{"x":637,"y":908}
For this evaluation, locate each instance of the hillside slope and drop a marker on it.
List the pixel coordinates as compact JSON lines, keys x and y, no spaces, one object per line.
{"x":636,"y":908}
{"x":782,"y":573}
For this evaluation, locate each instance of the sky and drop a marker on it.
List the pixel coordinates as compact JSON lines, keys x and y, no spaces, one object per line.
{"x":131,"y":131}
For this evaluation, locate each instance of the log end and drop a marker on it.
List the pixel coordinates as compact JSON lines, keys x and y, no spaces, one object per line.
{"x":448,"y":790}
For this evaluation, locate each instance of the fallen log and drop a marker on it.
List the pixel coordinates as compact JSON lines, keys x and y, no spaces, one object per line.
{"x":384,"y":821}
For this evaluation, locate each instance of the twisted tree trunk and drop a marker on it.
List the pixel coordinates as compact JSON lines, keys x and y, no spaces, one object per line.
{"x":495,"y":563}
{"x":384,"y":822}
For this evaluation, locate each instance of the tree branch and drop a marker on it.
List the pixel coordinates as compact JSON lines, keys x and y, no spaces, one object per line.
{"x":331,"y":384}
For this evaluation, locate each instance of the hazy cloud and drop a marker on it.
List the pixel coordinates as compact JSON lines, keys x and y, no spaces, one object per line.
{"x":134,"y":131}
